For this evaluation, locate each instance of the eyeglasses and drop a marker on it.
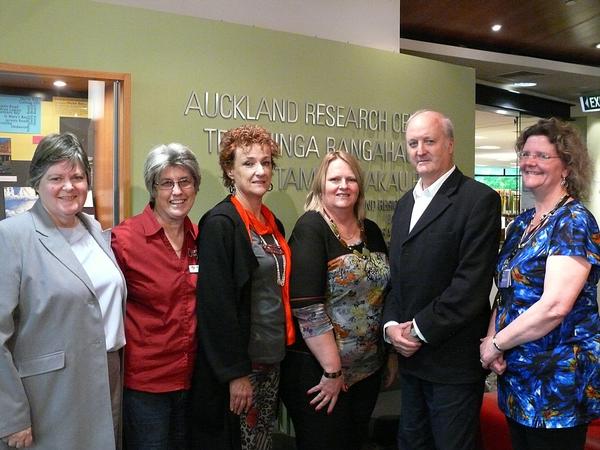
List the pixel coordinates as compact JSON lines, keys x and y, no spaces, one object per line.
{"x":536,"y":155}
{"x":168,"y":185}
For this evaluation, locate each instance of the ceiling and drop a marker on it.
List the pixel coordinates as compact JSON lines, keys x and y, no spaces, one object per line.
{"x":556,"y":30}
{"x":551,"y":43}
{"x":42,"y":85}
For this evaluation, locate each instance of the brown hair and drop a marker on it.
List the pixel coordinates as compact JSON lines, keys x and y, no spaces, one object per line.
{"x":570,"y":148}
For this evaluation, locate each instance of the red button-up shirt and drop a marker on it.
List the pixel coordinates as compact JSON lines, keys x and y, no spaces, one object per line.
{"x":160,"y":319}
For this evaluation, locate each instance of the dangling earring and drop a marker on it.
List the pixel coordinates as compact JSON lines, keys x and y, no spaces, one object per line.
{"x":270,"y":187}
{"x":564,"y":183}
{"x":232,"y":189}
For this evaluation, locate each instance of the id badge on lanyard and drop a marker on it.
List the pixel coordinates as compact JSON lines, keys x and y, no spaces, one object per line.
{"x":504,"y":278}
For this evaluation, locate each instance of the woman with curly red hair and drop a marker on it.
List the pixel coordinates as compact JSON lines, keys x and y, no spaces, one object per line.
{"x":244,"y":316}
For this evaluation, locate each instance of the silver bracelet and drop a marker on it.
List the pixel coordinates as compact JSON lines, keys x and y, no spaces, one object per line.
{"x":496,"y":345}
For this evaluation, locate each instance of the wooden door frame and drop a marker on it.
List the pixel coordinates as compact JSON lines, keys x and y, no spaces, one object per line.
{"x":104,"y":197}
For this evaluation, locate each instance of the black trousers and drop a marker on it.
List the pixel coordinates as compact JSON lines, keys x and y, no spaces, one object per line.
{"x":346,"y":428}
{"x":439,"y":416}
{"x":528,"y":438}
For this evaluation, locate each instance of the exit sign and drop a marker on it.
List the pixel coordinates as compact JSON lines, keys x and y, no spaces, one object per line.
{"x":590,"y":103}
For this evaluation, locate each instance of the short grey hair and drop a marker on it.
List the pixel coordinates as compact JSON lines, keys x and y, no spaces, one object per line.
{"x":56,"y":148}
{"x":163,"y":156}
{"x":447,"y":124}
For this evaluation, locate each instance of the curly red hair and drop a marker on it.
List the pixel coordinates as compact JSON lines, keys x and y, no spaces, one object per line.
{"x":244,"y":137}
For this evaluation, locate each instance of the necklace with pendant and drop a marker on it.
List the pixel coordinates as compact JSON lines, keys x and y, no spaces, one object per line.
{"x":276,"y":252}
{"x":364,"y":253}
{"x":530,"y":231}
{"x":504,"y":277}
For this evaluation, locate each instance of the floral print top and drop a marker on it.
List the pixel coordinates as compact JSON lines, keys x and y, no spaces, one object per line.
{"x":554,"y":381}
{"x":334,"y":288}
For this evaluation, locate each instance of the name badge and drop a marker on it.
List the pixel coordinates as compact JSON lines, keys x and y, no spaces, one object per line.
{"x":505,"y":279}
{"x":193,"y":268}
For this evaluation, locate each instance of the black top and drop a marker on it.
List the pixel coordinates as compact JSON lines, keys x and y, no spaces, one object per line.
{"x":308,"y":281}
{"x":225,"y":266}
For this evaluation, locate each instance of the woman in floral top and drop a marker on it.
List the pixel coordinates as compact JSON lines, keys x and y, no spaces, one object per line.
{"x":331,"y":377}
{"x":544,"y":338}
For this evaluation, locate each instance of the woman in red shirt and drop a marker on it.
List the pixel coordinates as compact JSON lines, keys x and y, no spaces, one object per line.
{"x":156,"y":251}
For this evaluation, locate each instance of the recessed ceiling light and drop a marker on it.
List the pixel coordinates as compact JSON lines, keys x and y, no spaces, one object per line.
{"x":501,"y":111}
{"x":598,"y":45}
{"x":488,"y":147}
{"x":59,"y":83}
{"x":524,"y":84}
{"x":496,"y":27}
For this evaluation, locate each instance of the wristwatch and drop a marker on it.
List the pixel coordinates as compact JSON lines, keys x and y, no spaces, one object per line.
{"x":332,"y":374}
{"x":414,"y":334}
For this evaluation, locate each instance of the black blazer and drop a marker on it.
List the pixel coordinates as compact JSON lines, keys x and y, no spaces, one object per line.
{"x":441,"y":276}
{"x":226,"y":262}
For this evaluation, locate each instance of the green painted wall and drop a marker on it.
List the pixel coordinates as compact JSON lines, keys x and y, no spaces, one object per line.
{"x":170,"y":56}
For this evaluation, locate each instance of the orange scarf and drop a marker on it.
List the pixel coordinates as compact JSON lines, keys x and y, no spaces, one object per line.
{"x":252,"y":223}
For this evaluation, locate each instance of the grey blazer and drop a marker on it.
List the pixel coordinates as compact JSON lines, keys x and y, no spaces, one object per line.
{"x":53,"y":367}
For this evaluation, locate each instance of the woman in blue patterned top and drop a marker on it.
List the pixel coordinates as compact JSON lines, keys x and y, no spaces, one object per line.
{"x":544,"y":339}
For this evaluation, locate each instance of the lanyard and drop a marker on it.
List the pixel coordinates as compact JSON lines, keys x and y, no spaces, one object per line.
{"x":504,"y":277}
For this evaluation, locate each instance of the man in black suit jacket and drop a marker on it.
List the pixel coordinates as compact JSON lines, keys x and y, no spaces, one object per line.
{"x":443,"y":248}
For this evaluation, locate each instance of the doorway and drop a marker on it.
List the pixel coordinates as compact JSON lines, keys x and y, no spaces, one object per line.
{"x":496,"y":164}
{"x":95,"y":106}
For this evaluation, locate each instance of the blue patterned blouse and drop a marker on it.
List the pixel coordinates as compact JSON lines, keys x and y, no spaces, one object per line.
{"x":554,"y":381}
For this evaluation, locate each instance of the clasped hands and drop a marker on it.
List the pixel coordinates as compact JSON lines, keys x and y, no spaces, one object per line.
{"x":490,"y":357}
{"x":399,"y":336}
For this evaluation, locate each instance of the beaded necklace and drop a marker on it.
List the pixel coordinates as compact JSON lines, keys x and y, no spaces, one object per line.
{"x":276,"y":252}
{"x":364,"y":253}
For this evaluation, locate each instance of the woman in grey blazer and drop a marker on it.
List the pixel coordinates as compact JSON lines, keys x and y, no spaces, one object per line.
{"x":61,"y":316}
